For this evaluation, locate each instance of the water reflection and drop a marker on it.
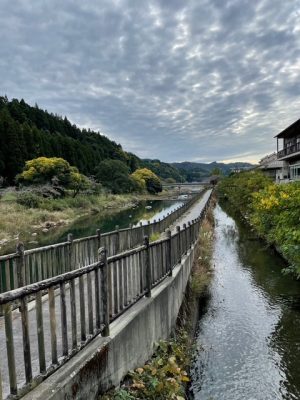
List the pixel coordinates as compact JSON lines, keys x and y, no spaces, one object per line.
{"x":250,"y":332}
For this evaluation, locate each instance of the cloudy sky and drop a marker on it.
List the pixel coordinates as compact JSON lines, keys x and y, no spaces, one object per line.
{"x":197,"y":80}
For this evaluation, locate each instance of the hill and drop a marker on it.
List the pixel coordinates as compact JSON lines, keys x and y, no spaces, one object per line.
{"x":193,"y":171}
{"x":28,"y":132}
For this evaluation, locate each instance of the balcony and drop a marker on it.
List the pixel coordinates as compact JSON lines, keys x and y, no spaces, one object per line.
{"x":289,"y":152}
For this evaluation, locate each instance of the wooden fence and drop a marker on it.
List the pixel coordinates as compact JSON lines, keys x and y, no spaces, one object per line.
{"x":49,"y":321}
{"x":29,"y":266}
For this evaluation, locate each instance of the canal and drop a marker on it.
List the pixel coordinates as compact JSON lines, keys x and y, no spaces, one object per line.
{"x":249,"y":335}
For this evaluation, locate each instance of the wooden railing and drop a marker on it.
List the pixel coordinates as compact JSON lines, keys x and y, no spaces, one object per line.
{"x":29,"y":266}
{"x":53,"y":319}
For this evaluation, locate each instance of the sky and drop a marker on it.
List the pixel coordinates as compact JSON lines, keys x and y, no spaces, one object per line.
{"x":178,"y":80}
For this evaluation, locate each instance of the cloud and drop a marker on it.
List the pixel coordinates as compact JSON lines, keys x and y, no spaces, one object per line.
{"x":182,"y":80}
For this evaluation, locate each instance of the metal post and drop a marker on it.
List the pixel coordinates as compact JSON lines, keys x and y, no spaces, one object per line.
{"x":71,"y":260}
{"x":102,"y":257}
{"x":117,"y":243}
{"x":20,"y":264}
{"x":148,"y":266}
{"x":179,"y":243}
{"x":169,"y":252}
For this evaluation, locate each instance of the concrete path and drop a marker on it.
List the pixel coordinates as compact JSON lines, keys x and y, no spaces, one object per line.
{"x":191,"y":214}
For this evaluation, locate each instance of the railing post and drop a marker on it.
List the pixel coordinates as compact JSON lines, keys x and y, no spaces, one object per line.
{"x":20,"y":265}
{"x":185,"y":238}
{"x":117,"y":242}
{"x":190,"y":234}
{"x":169,"y":252}
{"x":70,"y":239}
{"x":102,"y":257}
{"x":130,"y":236}
{"x":98,"y":233}
{"x":148,"y":230}
{"x":179,"y":243}
{"x":10,"y":349}
{"x":1,"y":396}
{"x":148,"y":266}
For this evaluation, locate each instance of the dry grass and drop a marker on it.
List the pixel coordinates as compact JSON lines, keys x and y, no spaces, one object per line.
{"x":17,"y":220}
{"x":203,"y":268}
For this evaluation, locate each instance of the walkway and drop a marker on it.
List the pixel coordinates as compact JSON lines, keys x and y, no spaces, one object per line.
{"x":192,"y":213}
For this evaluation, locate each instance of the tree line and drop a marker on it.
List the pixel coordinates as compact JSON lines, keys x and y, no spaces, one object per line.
{"x":28,"y":132}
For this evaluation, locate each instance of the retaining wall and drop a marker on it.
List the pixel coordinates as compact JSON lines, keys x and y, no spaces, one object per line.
{"x":105,"y":361}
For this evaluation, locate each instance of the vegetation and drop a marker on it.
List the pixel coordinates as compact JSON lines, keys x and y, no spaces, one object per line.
{"x":163,"y":377}
{"x":28,"y":132}
{"x":273,"y":210}
{"x":146,"y":178}
{"x":53,"y":171}
{"x":114,"y":175}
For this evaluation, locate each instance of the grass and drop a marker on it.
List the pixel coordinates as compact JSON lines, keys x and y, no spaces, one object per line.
{"x":203,"y":268}
{"x":17,"y":220}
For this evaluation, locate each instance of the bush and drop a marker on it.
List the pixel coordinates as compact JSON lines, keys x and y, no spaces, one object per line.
{"x":273,"y":210}
{"x":29,"y":199}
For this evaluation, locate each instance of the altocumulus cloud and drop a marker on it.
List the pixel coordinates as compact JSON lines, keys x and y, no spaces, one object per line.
{"x":176,"y":80}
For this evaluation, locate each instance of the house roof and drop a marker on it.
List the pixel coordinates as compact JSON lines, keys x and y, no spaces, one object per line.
{"x":290,"y":131}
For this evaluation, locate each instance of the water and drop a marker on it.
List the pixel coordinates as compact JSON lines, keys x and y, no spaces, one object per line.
{"x":250,"y":333}
{"x":106,"y":222}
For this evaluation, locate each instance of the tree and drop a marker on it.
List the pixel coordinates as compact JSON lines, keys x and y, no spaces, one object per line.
{"x":114,"y":175}
{"x":151,"y":181}
{"x":54,"y":171}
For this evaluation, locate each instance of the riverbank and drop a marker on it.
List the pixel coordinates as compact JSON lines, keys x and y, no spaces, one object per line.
{"x":272,"y":211}
{"x":166,"y":374}
{"x":18,"y":221}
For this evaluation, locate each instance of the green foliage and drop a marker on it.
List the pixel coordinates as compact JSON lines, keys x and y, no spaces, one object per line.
{"x":273,"y":210}
{"x":147,"y":178}
{"x":28,"y":132}
{"x":29,"y":199}
{"x":114,"y":175}
{"x":56,"y":171}
{"x":163,"y":170}
{"x":164,"y":377}
{"x":238,"y":188}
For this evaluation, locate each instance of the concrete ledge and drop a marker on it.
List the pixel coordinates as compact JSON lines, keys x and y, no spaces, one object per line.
{"x":105,"y":361}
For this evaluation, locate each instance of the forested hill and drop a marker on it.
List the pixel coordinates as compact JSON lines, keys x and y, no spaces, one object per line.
{"x":28,"y":132}
{"x":193,"y":171}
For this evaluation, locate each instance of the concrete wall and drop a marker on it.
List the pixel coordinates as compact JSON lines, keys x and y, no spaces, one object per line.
{"x":105,"y":361}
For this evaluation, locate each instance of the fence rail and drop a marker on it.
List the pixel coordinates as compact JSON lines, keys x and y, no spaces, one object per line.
{"x":29,"y":266}
{"x":58,"y":316}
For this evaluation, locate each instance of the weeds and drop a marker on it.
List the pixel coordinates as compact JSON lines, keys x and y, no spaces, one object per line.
{"x":163,"y":377}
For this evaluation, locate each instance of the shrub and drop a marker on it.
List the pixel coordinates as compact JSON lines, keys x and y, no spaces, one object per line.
{"x":28,"y":199}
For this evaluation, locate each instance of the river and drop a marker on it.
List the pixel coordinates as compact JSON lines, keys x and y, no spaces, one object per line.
{"x":87,"y":225}
{"x":249,"y":335}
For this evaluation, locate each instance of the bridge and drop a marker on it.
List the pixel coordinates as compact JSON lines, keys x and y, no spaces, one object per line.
{"x":78,"y":315}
